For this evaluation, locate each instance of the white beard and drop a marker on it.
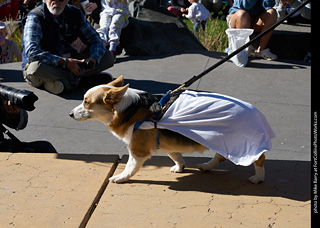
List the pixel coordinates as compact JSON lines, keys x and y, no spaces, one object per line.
{"x":55,"y":10}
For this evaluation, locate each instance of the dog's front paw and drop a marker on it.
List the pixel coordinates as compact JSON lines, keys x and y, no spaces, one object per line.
{"x":255,"y":179}
{"x":119,"y":178}
{"x":177,"y":168}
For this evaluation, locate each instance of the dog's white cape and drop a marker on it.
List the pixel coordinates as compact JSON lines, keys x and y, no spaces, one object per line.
{"x":231,"y":127}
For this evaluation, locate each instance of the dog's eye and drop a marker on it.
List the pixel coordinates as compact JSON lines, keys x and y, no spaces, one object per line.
{"x":86,"y":103}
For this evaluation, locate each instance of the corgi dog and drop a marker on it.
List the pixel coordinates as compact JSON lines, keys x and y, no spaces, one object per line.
{"x":120,"y":107}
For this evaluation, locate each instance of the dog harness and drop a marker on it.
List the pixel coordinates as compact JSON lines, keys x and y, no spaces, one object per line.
{"x":157,"y":115}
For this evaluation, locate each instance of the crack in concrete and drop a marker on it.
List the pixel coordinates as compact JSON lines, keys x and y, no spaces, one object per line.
{"x":96,"y":200}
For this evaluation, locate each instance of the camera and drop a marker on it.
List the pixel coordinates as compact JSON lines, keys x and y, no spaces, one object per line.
{"x":87,"y":65}
{"x":21,"y":98}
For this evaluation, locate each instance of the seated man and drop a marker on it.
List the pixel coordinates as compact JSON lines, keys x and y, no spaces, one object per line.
{"x":51,"y":54}
{"x":256,"y":14}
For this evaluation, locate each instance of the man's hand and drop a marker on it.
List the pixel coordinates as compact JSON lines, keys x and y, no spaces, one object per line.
{"x":74,"y":65}
{"x":9,"y":107}
{"x":91,"y":6}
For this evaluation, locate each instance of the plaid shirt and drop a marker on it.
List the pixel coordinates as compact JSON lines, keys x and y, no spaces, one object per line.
{"x":32,"y":35}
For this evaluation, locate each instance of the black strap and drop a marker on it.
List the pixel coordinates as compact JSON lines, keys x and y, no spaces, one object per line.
{"x":158,"y":135}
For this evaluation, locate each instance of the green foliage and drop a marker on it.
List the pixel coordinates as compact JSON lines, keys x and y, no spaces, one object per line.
{"x":14,"y":33}
{"x":214,"y":37}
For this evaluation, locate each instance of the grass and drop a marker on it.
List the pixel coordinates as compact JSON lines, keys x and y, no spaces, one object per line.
{"x":213,"y":38}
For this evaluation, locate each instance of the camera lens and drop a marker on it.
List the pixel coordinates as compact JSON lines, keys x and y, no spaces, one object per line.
{"x":22,"y":98}
{"x":88,"y":64}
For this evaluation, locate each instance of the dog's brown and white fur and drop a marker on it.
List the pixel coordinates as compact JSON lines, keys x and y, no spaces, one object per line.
{"x":120,"y":107}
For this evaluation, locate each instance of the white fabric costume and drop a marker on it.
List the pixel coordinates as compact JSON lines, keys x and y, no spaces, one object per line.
{"x":231,"y":127}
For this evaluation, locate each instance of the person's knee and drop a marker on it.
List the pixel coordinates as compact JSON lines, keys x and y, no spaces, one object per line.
{"x":272,"y":15}
{"x":32,"y":80}
{"x":243,"y":15}
{"x":241,"y":19}
{"x":31,"y":72}
{"x":107,"y":60}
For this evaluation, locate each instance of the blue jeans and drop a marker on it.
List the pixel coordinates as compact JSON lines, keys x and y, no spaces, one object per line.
{"x":196,"y":27}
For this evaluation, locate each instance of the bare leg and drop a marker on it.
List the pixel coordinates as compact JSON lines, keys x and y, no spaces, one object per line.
{"x":262,"y":23}
{"x":259,"y":170}
{"x":240,"y":19}
{"x":212,"y":163}
{"x":132,"y":167}
{"x":179,"y":161}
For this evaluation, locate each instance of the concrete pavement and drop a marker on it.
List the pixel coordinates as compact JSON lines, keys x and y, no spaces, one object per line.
{"x":155,"y":197}
{"x":46,"y":190}
{"x":50,"y":190}
{"x":222,"y":198}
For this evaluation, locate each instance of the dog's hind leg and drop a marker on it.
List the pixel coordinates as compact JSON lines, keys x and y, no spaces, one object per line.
{"x":132,"y":167}
{"x":259,"y":169}
{"x":179,"y":162}
{"x":212,"y":163}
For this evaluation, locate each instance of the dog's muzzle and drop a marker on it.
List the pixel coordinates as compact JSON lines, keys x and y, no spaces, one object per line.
{"x":79,"y":113}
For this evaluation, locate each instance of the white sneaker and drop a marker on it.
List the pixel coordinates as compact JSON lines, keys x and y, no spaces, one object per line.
{"x":55,"y":87}
{"x":266,"y":54}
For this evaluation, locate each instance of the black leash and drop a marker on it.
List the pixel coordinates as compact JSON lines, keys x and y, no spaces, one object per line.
{"x":196,"y":77}
{"x":157,"y":116}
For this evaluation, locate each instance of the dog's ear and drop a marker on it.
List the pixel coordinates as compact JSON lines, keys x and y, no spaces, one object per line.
{"x":114,"y":96}
{"x":117,"y":82}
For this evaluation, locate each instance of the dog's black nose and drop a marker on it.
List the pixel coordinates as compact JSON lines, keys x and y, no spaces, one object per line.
{"x":71,"y":114}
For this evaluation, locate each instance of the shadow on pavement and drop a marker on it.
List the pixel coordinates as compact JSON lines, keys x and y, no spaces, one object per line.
{"x":146,"y":85}
{"x":27,"y":147}
{"x":151,"y":86}
{"x":287,"y":179}
{"x":88,"y":157}
{"x":9,"y":75}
